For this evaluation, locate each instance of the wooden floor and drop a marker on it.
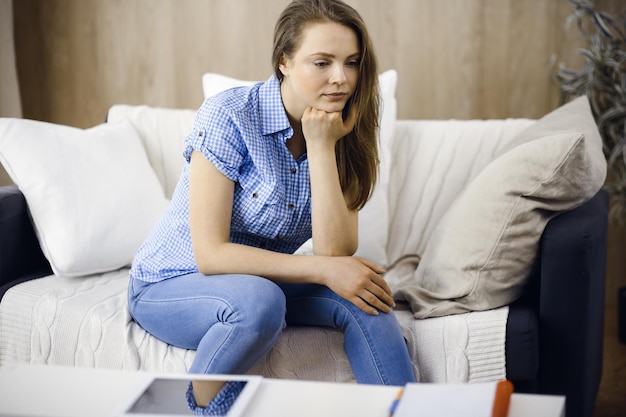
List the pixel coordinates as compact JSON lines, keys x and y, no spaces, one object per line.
{"x":611,"y":401}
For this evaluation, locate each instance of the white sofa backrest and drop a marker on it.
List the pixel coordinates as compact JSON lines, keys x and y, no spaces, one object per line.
{"x":431,"y":163}
{"x":162,"y":132}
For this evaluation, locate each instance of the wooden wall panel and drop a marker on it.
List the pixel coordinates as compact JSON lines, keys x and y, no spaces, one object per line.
{"x":455,"y":58}
{"x":78,"y":57}
{"x":10,"y":105}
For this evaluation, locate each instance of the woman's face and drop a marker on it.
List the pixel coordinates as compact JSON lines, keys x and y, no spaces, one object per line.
{"x":323,"y":72}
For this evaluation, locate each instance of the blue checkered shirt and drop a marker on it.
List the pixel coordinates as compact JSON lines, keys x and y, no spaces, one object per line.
{"x":243,"y":132}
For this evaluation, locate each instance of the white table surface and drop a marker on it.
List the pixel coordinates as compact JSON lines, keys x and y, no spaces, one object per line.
{"x":33,"y":390}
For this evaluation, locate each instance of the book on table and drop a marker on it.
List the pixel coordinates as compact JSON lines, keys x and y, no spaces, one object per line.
{"x":485,"y":399}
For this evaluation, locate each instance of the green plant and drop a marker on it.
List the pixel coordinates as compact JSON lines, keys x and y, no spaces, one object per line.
{"x":603,"y":79}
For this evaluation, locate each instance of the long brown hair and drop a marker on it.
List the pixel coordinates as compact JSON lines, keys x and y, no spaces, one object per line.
{"x":357,"y":153}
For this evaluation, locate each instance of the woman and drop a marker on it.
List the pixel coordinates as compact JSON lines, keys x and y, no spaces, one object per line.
{"x":269,"y":166}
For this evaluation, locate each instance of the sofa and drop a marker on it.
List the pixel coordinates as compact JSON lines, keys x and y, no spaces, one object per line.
{"x":492,"y":234}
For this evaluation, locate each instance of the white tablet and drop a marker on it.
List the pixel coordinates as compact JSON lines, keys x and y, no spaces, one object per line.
{"x":172,"y":395}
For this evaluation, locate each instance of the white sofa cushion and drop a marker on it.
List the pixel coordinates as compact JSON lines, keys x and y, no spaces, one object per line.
{"x":162,"y":132}
{"x":374,"y":217}
{"x":482,"y":251}
{"x":92,"y":193}
{"x":77,"y":322}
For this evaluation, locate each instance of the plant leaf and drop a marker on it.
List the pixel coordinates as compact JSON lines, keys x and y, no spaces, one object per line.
{"x":598,"y":18}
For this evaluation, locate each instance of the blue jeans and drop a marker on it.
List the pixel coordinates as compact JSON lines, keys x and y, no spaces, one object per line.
{"x":232,"y":321}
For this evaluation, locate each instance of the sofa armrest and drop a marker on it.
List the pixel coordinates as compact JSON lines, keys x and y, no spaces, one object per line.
{"x":20,"y":254}
{"x":571,"y":304}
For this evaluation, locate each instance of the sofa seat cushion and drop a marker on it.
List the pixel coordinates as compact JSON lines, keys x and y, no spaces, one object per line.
{"x":85,"y":322}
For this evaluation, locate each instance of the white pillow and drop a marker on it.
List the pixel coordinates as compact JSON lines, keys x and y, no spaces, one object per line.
{"x":213,"y":83}
{"x":92,"y":194}
{"x":374,"y":217}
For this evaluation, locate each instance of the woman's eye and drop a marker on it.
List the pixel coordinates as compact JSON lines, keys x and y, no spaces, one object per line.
{"x":320,"y":63}
{"x":353,"y":64}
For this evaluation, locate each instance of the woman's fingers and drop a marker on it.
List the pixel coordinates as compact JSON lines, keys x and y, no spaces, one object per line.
{"x":373,"y":303}
{"x":381,"y":283}
{"x":377,"y":297}
{"x":364,"y":287}
{"x":318,"y":124}
{"x":377,"y":294}
{"x":371,"y":265}
{"x":366,"y":307}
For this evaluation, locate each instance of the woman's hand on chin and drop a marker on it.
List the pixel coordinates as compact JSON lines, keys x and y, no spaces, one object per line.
{"x":319,"y":126}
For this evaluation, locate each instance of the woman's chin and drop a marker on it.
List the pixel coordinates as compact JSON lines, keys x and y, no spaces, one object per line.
{"x":332,"y":108}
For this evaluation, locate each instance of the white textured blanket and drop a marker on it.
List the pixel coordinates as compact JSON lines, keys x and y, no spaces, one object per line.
{"x":85,"y":322}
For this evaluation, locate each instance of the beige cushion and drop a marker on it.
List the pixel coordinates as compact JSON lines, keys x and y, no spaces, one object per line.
{"x":482,"y":251}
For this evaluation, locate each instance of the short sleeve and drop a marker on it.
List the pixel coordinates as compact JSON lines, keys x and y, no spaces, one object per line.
{"x":216,"y":135}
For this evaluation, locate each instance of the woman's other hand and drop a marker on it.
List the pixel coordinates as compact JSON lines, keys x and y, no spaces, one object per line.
{"x":359,"y":281}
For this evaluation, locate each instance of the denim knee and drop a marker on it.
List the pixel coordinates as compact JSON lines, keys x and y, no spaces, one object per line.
{"x":266,"y":308}
{"x":250,"y":319}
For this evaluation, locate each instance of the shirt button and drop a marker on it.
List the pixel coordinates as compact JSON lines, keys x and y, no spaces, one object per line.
{"x":293,"y":170}
{"x":201,"y":133}
{"x":279,"y":237}
{"x":255,"y":195}
{"x":291,"y":206}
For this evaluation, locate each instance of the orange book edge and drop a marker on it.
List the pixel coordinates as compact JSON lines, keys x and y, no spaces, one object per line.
{"x":504,"y":390}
